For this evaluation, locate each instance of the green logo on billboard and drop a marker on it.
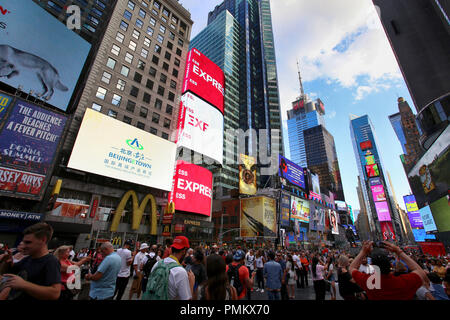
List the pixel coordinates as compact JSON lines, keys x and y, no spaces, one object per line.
{"x":135,"y":144}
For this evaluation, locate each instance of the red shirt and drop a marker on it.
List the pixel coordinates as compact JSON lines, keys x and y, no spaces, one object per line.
{"x":243,"y":274}
{"x":403,"y":287}
{"x":64,"y":275}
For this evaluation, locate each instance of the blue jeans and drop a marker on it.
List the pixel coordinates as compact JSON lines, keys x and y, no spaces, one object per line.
{"x":273,"y":295}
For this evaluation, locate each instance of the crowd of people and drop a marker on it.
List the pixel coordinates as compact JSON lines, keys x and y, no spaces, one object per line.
{"x":175,"y":271}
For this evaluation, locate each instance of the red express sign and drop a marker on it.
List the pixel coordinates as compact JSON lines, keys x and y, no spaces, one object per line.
{"x":192,"y":189}
{"x":20,"y":182}
{"x":204,"y":78}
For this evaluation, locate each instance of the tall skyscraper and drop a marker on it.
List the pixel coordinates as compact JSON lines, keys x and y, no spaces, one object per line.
{"x":381,"y":211}
{"x":239,"y":39}
{"x":404,"y":124}
{"x":362,"y":221}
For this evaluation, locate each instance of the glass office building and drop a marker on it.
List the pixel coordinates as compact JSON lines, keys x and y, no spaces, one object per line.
{"x":396,"y":121}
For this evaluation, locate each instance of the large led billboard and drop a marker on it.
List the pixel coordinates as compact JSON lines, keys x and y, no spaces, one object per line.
{"x":300,"y":209}
{"x":413,"y":212}
{"x":372,"y":170}
{"x":192,"y":189}
{"x":429,"y":178}
{"x":247,"y":175}
{"x":315,"y":192}
{"x":28,"y":144}
{"x":258,"y":217}
{"x":291,"y":172}
{"x":378,"y":193}
{"x":382,"y":211}
{"x":370,"y":160}
{"x":204,"y":78}
{"x":387,"y":231}
{"x":111,"y":148}
{"x":375,"y":181}
{"x":333,"y":222}
{"x":428,"y":220}
{"x":365,"y":145}
{"x":5,"y":102}
{"x":420,"y":235}
{"x":200,"y":127}
{"x":285,"y":210}
{"x":39,"y":53}
{"x":441,"y":214}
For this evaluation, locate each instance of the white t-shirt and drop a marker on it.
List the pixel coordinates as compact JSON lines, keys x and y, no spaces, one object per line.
{"x":249,"y":259}
{"x":71,"y":255}
{"x":179,"y":288}
{"x":259,"y":262}
{"x":297,"y":261}
{"x":368,"y":269}
{"x":138,"y":261}
{"x":125,"y":255}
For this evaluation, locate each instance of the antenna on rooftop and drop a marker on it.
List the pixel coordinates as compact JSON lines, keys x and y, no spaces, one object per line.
{"x":300,"y":80}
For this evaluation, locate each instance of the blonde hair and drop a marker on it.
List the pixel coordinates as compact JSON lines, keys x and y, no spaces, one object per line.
{"x":58,"y":252}
{"x":343,"y":261}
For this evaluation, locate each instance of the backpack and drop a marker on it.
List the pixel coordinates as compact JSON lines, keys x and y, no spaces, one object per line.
{"x":158,"y":282}
{"x":147,"y":268}
{"x":233,"y":278}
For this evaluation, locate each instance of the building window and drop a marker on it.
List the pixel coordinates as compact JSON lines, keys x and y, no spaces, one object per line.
{"x":156,"y":13}
{"x":120,"y":84}
{"x":130,"y":106}
{"x":157,"y":49}
{"x":173,"y":26}
{"x":179,"y":52}
{"x":171,"y":35}
{"x":53,"y":5}
{"x":141,"y":125}
{"x":160,"y":38}
{"x":169,"y":109}
{"x":137,"y":77}
{"x":167,"y":55}
{"x":136,"y":34}
{"x":155,"y":60}
{"x":127,"y":119}
{"x":169,"y":45}
{"x":101,"y":93}
{"x":141,"y":65}
{"x":155,"y":117}
{"x":124,"y":71}
{"x":153,"y":131}
{"x":180,"y":42}
{"x":111,"y":63}
{"x":144,"y":53}
{"x":144,"y":112}
{"x":106,"y":77}
{"x":96,"y":107}
{"x":147,"y":42}
{"x":145,"y":4}
{"x":163,"y":78}
{"x":89,"y":27}
{"x":162,"y":29}
{"x":164,"y":19}
{"x":166,"y":12}
{"x":120,"y":37}
{"x":149,"y":84}
{"x":165,"y":136}
{"x":112,"y":114}
{"x":175,"y":72}
{"x":115,"y":50}
{"x":152,"y":21}
{"x":134,"y":91}
{"x":173,"y":84}
{"x":128,"y":57}
{"x":132,"y":45}
{"x":166,"y":123}
{"x":116,"y":100}
{"x":156,"y":4}
{"x":174,"y":19}
{"x":127,"y":15}
{"x":177,"y":62}
{"x":158,"y":104}
{"x":171,"y":96}
{"x":139,"y":23}
{"x":166,"y":66}
{"x":131,"y":5}
{"x":146,"y":97}
{"x":142,"y":13}
{"x":124,"y":26}
{"x":161,"y":91}
{"x":150,"y":31}
{"x":152,"y":71}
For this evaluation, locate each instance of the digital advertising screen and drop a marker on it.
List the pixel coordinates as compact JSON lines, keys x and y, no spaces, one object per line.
{"x":428,"y":220}
{"x":334,"y":222}
{"x":414,"y":217}
{"x":300,"y":209}
{"x":247,"y":175}
{"x":365,"y":145}
{"x":382,"y":211}
{"x":378,"y":193}
{"x":387,"y":230}
{"x":291,"y":172}
{"x":192,"y":189}
{"x":112,"y":148}
{"x":258,"y":217}
{"x":28,"y":143}
{"x":205,"y":79}
{"x":315,"y":192}
{"x":420,"y":235}
{"x":200,"y":127}
{"x":370,"y":160}
{"x":41,"y":53}
{"x":375,"y":181}
{"x":285,"y":210}
{"x":5,"y":102}
{"x":441,"y":213}
{"x":372,"y":170}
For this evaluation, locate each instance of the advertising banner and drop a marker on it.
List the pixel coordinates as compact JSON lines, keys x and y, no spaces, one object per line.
{"x":192,"y":189}
{"x":300,"y":209}
{"x":428,"y":220}
{"x":205,"y":79}
{"x":420,"y":235}
{"x":111,"y":148}
{"x":285,"y":210}
{"x":378,"y":193}
{"x":41,"y":54}
{"x":291,"y":172}
{"x":20,"y":182}
{"x":258,"y":217}
{"x":71,"y":209}
{"x":201,"y":126}
{"x":17,"y":215}
{"x":375,"y":181}
{"x":5,"y":101}
{"x":441,"y":214}
{"x":365,"y":145}
{"x":414,"y":217}
{"x":434,"y":248}
{"x":382,"y":211}
{"x":372,"y":170}
{"x":334,"y":222}
{"x":315,"y":193}
{"x":247,"y":175}
{"x":387,"y":231}
{"x":370,"y":160}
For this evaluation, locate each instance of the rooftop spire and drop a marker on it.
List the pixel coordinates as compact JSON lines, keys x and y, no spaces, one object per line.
{"x":300,"y":80}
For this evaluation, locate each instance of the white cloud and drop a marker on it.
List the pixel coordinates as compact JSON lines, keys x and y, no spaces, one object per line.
{"x":331,"y":114}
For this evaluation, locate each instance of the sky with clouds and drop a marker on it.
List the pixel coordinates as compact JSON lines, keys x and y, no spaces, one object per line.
{"x":346,"y":61}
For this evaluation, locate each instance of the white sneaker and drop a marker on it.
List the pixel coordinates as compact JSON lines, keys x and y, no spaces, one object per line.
{"x":262,"y":290}
{"x":257,"y":290}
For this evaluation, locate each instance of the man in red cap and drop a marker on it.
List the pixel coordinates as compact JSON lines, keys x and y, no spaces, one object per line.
{"x":181,"y":283}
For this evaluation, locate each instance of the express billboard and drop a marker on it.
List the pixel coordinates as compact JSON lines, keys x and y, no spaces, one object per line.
{"x":378,"y":193}
{"x":205,"y":79}
{"x":39,"y":53}
{"x":291,"y":172}
{"x":428,"y":220}
{"x":413,"y":212}
{"x":5,"y":101}
{"x":382,"y":211}
{"x":111,"y":148}
{"x":28,"y":143}
{"x":192,"y":189}
{"x":300,"y":209}
{"x":200,"y":127}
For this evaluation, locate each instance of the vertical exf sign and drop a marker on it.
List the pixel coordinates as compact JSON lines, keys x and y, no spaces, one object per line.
{"x":205,"y":79}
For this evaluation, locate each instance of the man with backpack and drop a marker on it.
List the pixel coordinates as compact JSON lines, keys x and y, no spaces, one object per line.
{"x":168,"y":279}
{"x":239,"y":276}
{"x":148,"y":263}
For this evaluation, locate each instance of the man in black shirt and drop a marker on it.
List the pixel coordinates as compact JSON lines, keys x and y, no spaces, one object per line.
{"x":41,"y":269}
